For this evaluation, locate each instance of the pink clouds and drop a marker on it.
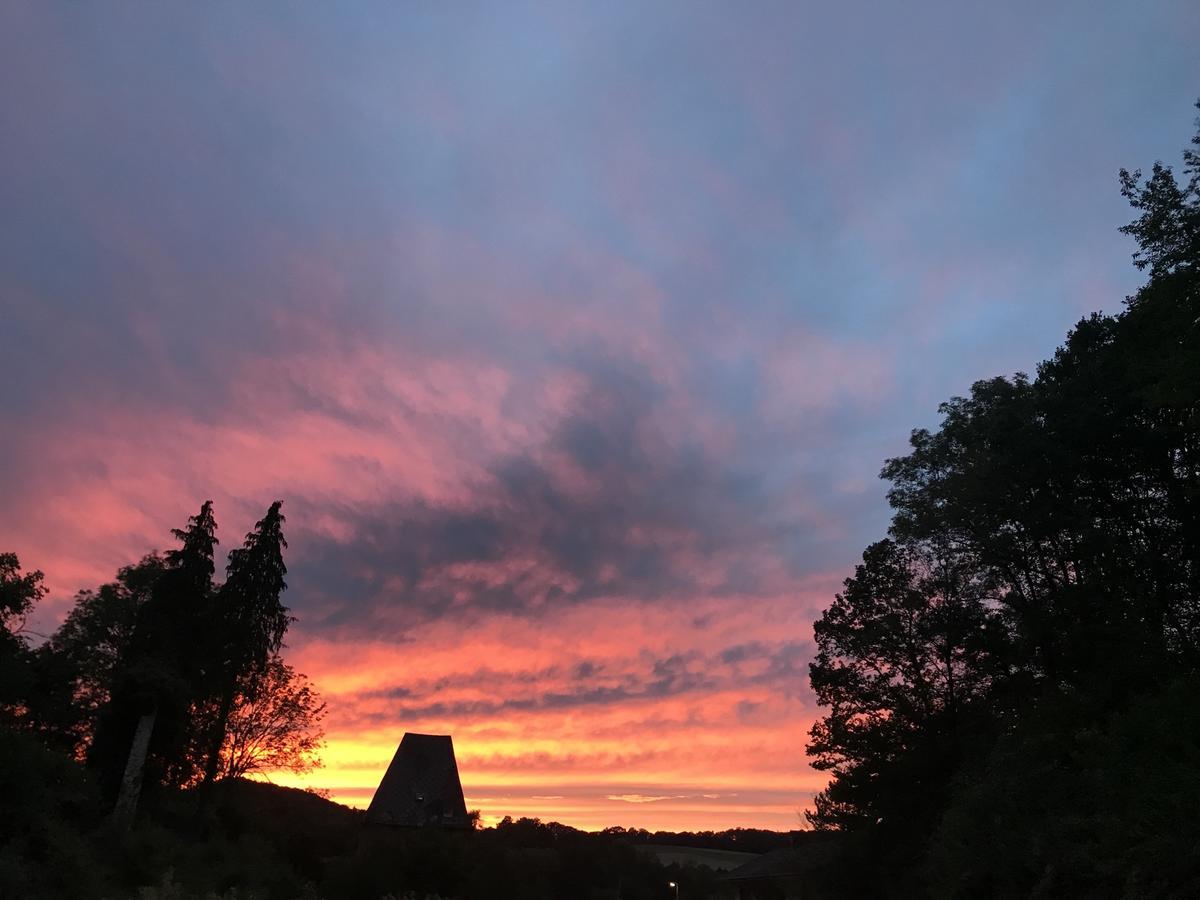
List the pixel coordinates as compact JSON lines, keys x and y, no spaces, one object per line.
{"x":554,"y":559}
{"x":575,"y":681}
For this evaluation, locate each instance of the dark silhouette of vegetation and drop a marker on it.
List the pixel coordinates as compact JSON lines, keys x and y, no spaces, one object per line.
{"x":77,"y":667}
{"x":250,"y":624}
{"x":151,"y":672}
{"x":258,"y":840}
{"x":146,"y":724}
{"x":161,"y":678}
{"x":745,"y":840}
{"x":1011,"y":676}
{"x":272,"y":727}
{"x":18,"y":594}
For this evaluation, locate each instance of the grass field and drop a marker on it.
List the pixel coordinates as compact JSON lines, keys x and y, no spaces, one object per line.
{"x":719,"y":860}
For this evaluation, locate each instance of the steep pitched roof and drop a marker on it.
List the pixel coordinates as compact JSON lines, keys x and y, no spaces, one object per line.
{"x":421,"y":786}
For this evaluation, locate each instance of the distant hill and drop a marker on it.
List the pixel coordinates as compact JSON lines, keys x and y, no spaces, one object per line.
{"x":274,"y":808}
{"x":266,"y":797}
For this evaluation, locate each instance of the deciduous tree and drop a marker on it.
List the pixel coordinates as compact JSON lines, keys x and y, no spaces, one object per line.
{"x":276,"y":726}
{"x":18,"y":594}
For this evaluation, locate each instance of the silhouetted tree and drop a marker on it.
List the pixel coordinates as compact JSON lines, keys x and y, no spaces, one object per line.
{"x":276,"y":726}
{"x":904,"y":656}
{"x":1062,"y":515}
{"x":18,"y":594}
{"x":77,"y":667}
{"x":250,"y":623}
{"x":1168,"y":229}
{"x":147,"y":717}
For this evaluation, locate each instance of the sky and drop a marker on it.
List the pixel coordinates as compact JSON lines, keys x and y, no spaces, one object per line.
{"x":572,"y":336}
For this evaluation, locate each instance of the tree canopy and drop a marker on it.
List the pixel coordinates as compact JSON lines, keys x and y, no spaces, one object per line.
{"x":1040,"y":585}
{"x":161,"y":673}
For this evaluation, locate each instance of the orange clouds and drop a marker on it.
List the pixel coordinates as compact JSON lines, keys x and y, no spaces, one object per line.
{"x":690,"y":713}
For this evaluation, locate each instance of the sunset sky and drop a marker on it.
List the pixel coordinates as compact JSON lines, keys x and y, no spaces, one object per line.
{"x":572,"y":336}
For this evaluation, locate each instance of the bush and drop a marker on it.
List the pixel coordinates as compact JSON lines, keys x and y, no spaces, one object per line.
{"x":47,"y":805}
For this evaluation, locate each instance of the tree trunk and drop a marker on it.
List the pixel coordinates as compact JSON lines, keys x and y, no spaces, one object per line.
{"x":135,"y":767}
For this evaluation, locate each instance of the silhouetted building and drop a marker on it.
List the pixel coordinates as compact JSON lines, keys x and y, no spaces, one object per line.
{"x":421,"y":787}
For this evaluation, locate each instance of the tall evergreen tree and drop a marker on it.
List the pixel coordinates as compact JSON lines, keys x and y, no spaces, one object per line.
{"x":147,"y":717}
{"x":250,"y":623}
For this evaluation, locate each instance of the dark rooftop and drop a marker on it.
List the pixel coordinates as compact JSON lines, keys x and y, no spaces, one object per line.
{"x":421,"y":787}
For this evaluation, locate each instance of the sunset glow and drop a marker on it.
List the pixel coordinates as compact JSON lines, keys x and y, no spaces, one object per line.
{"x":571,"y":343}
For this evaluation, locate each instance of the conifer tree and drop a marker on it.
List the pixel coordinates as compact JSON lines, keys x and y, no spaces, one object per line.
{"x":147,"y":716}
{"x":250,"y":623}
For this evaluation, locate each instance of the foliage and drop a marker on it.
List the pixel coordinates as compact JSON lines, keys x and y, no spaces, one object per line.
{"x":250,"y":622}
{"x":18,"y":594}
{"x":77,"y":667}
{"x":744,"y":840}
{"x":1077,"y":802}
{"x":274,"y":727}
{"x":1040,"y":586}
{"x":272,"y":843}
{"x":522,"y":859}
{"x":902,"y":662}
{"x":163,"y":666}
{"x":47,"y":804}
{"x":1168,"y":229}
{"x":252,"y":619}
{"x":162,"y":643}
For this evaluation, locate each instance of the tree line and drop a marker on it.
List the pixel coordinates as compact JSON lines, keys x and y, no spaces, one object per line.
{"x":164,"y":678}
{"x":1010,"y":676}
